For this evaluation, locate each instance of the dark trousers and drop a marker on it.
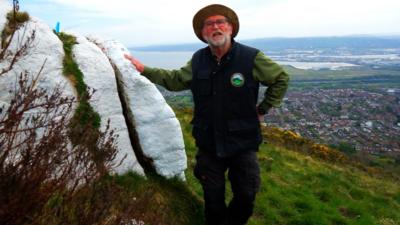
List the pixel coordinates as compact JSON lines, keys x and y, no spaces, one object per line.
{"x":244,"y":175}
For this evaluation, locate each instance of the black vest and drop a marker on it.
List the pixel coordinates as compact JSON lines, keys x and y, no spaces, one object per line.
{"x":225,"y":97}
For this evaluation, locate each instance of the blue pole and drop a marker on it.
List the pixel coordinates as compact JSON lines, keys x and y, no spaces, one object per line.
{"x":58,"y":27}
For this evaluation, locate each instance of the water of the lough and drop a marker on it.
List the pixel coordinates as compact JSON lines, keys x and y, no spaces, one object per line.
{"x":175,"y":60}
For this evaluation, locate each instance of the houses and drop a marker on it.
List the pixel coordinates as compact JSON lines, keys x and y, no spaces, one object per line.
{"x":369,"y":120}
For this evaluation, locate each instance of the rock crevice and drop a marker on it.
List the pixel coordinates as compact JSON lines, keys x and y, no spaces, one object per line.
{"x":144,"y":161}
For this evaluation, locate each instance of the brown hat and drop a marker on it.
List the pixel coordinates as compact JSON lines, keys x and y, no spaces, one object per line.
{"x":212,"y":10}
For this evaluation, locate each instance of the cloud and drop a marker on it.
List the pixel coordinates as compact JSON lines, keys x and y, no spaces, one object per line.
{"x":149,"y":22}
{"x":315,"y":17}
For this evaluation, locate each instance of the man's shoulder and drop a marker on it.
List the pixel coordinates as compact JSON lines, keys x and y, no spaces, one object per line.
{"x":246,"y":51}
{"x":201,"y":50}
{"x":248,"y":48}
{"x":201,"y":53}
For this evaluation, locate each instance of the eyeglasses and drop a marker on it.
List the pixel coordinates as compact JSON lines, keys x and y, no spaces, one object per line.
{"x":219,"y":23}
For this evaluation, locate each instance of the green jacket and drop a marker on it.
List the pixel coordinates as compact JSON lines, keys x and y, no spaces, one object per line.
{"x":265,"y":71}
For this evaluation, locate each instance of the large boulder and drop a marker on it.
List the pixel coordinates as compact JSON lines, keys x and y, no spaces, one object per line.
{"x":99,"y":75}
{"x":158,"y":130}
{"x":46,"y":49}
{"x":148,"y":131}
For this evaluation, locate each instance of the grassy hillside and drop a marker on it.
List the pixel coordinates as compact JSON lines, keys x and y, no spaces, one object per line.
{"x":308,"y":185}
{"x":300,"y":188}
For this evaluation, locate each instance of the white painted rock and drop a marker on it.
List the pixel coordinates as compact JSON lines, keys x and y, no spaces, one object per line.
{"x":158,"y":129}
{"x":99,"y":74}
{"x":46,"y":49}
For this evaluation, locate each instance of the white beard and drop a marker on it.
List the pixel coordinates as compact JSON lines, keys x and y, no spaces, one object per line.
{"x":219,"y":42}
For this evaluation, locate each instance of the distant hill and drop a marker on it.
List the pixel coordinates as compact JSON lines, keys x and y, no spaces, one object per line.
{"x":304,"y":43}
{"x":310,"y":43}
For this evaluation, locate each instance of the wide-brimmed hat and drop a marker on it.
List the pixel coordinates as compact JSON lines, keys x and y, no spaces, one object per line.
{"x":212,"y":10}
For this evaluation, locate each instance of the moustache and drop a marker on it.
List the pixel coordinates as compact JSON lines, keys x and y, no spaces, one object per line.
{"x":217,"y":33}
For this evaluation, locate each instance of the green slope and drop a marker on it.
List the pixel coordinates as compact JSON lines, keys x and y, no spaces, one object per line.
{"x":299,"y":189}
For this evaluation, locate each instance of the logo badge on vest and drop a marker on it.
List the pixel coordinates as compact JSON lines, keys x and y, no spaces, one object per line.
{"x":237,"y":79}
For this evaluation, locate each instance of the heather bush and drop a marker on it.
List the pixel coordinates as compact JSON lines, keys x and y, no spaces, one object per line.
{"x":37,"y":160}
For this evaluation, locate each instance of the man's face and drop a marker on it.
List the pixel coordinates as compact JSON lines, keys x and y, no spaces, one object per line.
{"x":217,"y":30}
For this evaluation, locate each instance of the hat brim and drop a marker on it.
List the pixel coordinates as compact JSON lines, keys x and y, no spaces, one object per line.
{"x":212,"y":10}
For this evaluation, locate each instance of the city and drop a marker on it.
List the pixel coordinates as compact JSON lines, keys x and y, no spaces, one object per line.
{"x":369,"y":121}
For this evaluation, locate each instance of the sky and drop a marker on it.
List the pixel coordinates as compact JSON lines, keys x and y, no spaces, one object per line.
{"x":153,"y":22}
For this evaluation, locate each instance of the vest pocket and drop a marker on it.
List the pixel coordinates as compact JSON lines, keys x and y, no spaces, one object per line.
{"x":243,"y":134}
{"x":203,"y":83}
{"x":242,"y":103}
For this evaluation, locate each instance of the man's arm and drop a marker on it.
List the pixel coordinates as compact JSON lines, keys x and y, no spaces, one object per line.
{"x":274,"y":77}
{"x":172,"y":80}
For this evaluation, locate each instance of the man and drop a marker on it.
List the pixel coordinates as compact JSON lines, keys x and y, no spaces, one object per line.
{"x":224,"y":79}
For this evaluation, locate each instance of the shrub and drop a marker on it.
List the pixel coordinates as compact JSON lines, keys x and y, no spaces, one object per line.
{"x":38,"y":164}
{"x":346,"y":148}
{"x":294,"y":141}
{"x":16,"y":17}
{"x":14,"y":20}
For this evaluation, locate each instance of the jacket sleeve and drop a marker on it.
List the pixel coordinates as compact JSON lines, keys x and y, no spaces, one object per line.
{"x":172,"y":80}
{"x":274,"y":77}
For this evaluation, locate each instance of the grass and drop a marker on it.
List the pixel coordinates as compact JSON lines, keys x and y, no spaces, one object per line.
{"x":300,"y":189}
{"x":84,"y":113}
{"x":307,"y":188}
{"x":128,"y":199}
{"x":296,"y":189}
{"x":180,"y":101}
{"x":14,"y":20}
{"x":70,"y":68}
{"x":18,"y":18}
{"x":171,"y":201}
